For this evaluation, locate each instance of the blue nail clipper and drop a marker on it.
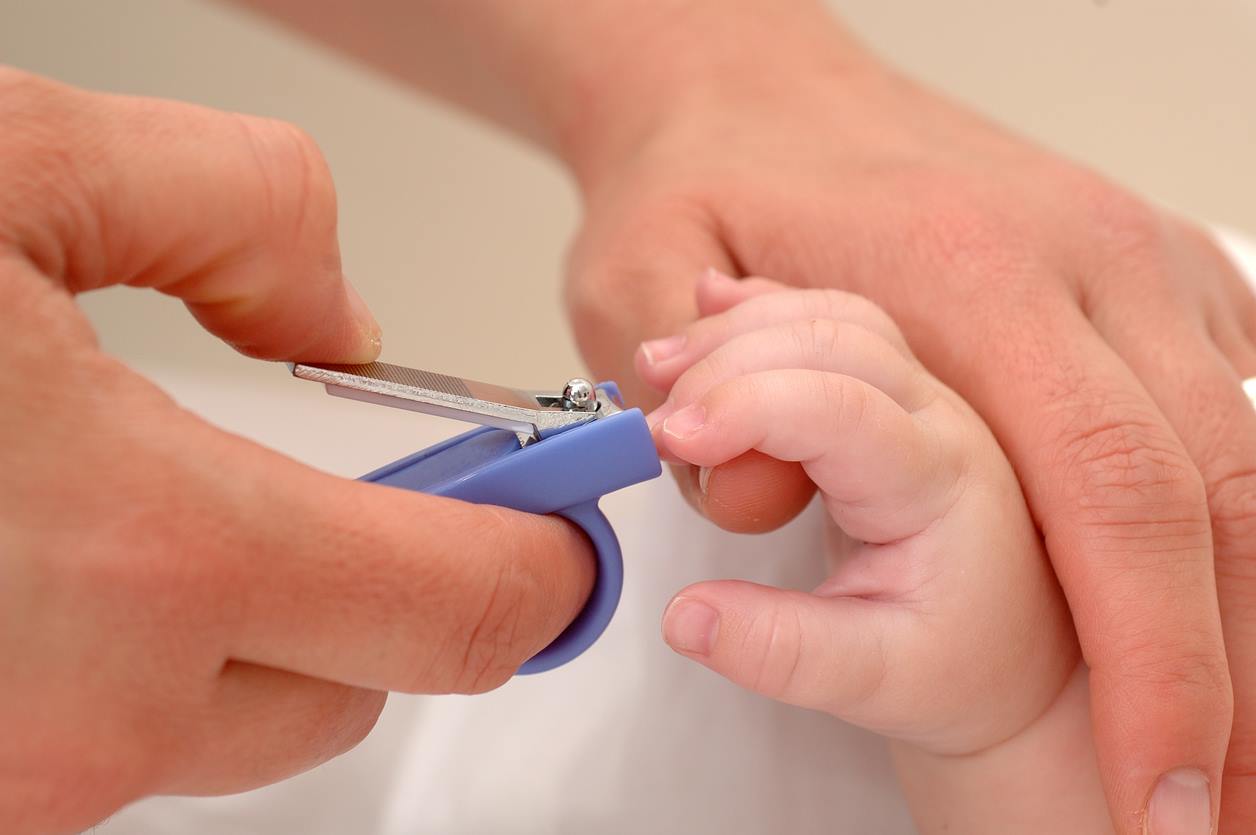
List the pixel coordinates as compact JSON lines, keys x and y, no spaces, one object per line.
{"x":536,"y":452}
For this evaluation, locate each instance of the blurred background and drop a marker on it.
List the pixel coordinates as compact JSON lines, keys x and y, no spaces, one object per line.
{"x":455,"y":234}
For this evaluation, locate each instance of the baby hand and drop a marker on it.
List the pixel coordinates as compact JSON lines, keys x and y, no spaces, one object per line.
{"x":940,"y":623}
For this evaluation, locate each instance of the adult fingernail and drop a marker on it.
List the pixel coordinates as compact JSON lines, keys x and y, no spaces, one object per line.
{"x":365,"y":319}
{"x":691,"y":626}
{"x":661,"y":350}
{"x":704,"y":480}
{"x":685,"y":423}
{"x":1180,"y":805}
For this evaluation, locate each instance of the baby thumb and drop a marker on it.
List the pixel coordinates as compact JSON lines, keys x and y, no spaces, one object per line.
{"x":825,"y":653}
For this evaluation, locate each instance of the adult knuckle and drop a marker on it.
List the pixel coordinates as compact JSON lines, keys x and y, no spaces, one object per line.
{"x":1232,"y":505}
{"x":490,"y":656}
{"x":1199,"y":667}
{"x":296,"y":183}
{"x":1125,"y":243}
{"x":1118,"y":222}
{"x":971,"y":241}
{"x":495,"y":638}
{"x":1126,"y":462}
{"x":48,"y":148}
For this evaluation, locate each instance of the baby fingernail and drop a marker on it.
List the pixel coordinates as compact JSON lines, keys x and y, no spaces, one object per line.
{"x":1180,"y":805}
{"x":717,"y":275}
{"x":685,"y":423}
{"x":661,"y":350}
{"x":691,"y":626}
{"x":655,"y":418}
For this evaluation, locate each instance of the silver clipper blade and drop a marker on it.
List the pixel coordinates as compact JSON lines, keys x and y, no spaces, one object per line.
{"x":530,"y":414}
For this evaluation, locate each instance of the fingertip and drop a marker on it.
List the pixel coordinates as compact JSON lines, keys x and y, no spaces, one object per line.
{"x":753,"y":493}
{"x":643,"y":363}
{"x":654,"y":360}
{"x":684,"y":424}
{"x":262,"y":319}
{"x":370,"y":341}
{"x":352,"y":337}
{"x":691,"y":626}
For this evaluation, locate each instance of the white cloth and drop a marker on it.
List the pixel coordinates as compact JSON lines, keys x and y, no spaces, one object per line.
{"x":629,"y":738}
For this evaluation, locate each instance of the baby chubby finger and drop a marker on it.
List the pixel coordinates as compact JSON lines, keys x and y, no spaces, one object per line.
{"x":884,"y":473}
{"x":660,"y":362}
{"x":846,"y":348}
{"x":830,"y":654}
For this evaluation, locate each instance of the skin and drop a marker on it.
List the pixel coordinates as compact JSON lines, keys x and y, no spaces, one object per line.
{"x":935,"y":565}
{"x":182,"y":611}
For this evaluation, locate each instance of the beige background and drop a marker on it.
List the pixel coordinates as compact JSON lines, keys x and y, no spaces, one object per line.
{"x":455,"y":234}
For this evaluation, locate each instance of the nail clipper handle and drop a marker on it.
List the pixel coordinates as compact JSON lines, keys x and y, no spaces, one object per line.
{"x":564,"y":474}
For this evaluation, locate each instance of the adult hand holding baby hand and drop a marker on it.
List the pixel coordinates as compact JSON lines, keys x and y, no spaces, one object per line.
{"x":1102,"y":340}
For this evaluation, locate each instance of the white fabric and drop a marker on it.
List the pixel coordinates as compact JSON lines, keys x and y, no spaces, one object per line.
{"x":629,"y":738}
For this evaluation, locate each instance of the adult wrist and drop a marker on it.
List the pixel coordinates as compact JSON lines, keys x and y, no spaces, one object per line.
{"x":669,"y":68}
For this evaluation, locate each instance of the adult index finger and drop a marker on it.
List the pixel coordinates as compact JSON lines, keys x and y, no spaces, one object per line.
{"x":235,"y":215}
{"x":1125,"y":517}
{"x":385,"y":588}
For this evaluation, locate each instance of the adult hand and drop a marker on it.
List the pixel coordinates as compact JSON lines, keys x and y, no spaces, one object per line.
{"x":182,"y":611}
{"x":1102,"y":339}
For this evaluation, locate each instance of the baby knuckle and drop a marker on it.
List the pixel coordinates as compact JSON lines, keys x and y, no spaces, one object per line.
{"x":819,"y":338}
{"x":849,"y":401}
{"x":771,"y":654}
{"x":844,"y":305}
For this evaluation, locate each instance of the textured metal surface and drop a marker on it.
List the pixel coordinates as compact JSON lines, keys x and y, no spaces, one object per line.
{"x":411,"y":377}
{"x":531,"y":414}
